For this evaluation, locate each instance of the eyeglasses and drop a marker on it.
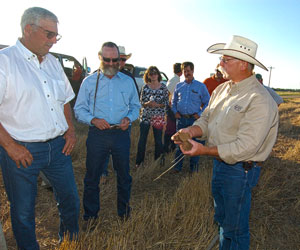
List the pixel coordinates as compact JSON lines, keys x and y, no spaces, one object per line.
{"x":108,"y":60}
{"x":123,"y":59}
{"x":49,"y":34}
{"x":224,"y":60}
{"x":153,"y":73}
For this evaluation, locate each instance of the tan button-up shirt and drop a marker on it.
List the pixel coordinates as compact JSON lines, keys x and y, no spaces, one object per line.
{"x":241,"y":120}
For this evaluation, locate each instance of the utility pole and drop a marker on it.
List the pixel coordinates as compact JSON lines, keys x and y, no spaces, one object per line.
{"x":270,"y":75}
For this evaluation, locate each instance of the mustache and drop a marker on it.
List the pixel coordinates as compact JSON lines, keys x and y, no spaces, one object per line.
{"x":109,"y":70}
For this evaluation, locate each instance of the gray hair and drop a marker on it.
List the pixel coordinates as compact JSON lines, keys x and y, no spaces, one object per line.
{"x":34,"y":15}
{"x":110,"y":45}
{"x":250,"y":67}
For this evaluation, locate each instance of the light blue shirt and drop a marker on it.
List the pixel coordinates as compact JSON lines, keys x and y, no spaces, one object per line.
{"x":116,"y":98}
{"x":190,"y":98}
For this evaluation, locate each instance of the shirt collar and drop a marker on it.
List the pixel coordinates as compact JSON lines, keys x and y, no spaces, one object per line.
{"x":28,"y":55}
{"x":243,"y":85}
{"x":190,"y":82}
{"x":118,"y":75}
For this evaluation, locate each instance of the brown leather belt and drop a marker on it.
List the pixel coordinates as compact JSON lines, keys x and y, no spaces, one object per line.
{"x":247,"y":165}
{"x":187,"y":116}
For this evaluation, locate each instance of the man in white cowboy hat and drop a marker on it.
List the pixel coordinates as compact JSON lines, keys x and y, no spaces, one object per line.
{"x":123,"y":58}
{"x":240,"y":126}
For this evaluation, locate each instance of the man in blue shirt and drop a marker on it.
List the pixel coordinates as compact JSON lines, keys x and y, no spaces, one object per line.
{"x":108,"y":102}
{"x":189,"y":100}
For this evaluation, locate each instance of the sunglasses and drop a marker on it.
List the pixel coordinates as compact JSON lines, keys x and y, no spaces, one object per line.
{"x":153,"y":73}
{"x":123,"y":59}
{"x":49,"y":34}
{"x":108,"y":60}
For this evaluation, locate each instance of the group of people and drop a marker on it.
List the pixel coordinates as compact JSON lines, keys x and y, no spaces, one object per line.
{"x":238,"y":120}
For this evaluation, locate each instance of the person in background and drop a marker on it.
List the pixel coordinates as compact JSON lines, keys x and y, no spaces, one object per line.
{"x":240,"y":125}
{"x":277,"y":98}
{"x":123,"y":58}
{"x":171,"y":121}
{"x":37,"y":133}
{"x":214,"y":81}
{"x":171,"y":84}
{"x":189,"y":100}
{"x":154,"y":100}
{"x":108,"y":102}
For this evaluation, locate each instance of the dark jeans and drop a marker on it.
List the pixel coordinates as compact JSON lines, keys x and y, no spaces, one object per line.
{"x":105,"y":172}
{"x":144,"y":130}
{"x":101,"y":143}
{"x":21,"y":188}
{"x":231,"y":190}
{"x":184,"y":123}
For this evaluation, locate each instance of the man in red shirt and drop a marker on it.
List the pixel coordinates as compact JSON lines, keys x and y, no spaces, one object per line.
{"x":214,"y":81}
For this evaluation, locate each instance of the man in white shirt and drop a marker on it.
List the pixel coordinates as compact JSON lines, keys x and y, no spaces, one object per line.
{"x":171,"y":84}
{"x":36,"y":130}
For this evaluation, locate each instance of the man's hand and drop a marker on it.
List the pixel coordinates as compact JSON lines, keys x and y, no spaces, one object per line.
{"x":175,"y":136}
{"x":70,"y":138}
{"x":124,"y":123}
{"x":197,"y":149}
{"x":177,"y":115}
{"x":100,"y":123}
{"x":19,"y":154}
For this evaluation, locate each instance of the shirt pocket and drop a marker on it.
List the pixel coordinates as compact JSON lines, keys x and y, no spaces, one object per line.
{"x":233,"y":119}
{"x":59,"y":89}
{"x":195,"y":97}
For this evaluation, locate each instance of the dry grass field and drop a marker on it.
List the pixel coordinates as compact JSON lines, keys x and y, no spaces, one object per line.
{"x":176,"y":211}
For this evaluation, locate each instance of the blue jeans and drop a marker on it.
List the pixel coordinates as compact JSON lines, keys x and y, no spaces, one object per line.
{"x":184,"y":123}
{"x":105,"y":172}
{"x":144,"y":130}
{"x":231,"y":190}
{"x":101,"y":143}
{"x":21,"y":188}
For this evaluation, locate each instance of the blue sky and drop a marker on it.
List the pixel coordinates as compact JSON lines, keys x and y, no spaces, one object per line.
{"x":164,"y":32}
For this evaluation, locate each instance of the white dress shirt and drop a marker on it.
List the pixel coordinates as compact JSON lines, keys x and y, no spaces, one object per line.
{"x":32,"y":95}
{"x":171,"y":84}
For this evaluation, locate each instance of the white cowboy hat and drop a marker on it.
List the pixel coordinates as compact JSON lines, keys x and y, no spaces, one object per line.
{"x":239,"y":47}
{"x":123,"y":53}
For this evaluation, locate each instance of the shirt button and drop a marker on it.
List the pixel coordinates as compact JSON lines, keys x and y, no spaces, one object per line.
{"x":51,"y":109}
{"x":45,"y":81}
{"x":48,"y":95}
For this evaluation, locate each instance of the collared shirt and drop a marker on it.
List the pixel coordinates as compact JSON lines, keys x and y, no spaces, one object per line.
{"x":241,"y":120}
{"x":32,"y":95}
{"x":211,"y":83}
{"x":171,"y":84}
{"x":277,"y":98}
{"x":116,"y":98}
{"x":190,"y":98}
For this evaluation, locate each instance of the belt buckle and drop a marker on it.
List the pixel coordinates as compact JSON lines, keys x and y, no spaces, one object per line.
{"x":247,"y":165}
{"x":115,"y":126}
